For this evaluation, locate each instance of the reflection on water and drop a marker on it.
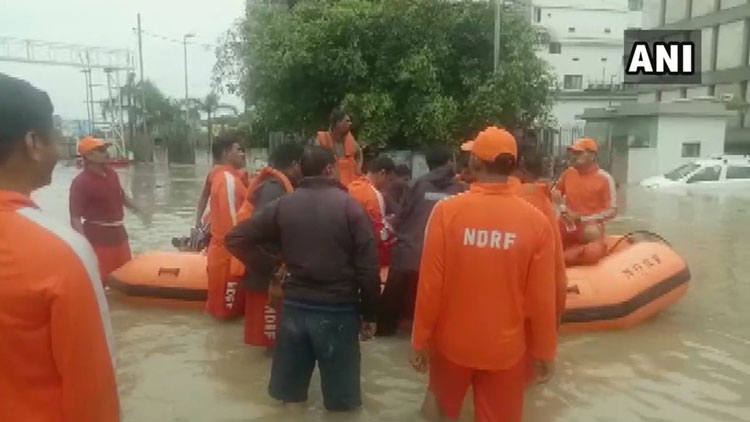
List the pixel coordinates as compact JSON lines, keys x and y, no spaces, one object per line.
{"x":690,"y":364}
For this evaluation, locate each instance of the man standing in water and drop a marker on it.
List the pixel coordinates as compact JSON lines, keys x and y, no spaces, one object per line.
{"x":339,"y":139}
{"x":56,"y":361}
{"x":536,"y":191}
{"x":256,"y":266}
{"x":97,"y":198}
{"x":225,"y":293}
{"x":410,"y":223}
{"x":332,"y":287}
{"x":587,"y":197}
{"x":483,"y":275}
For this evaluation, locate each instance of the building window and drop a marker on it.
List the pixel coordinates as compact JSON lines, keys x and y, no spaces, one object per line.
{"x":607,"y":31}
{"x":555,"y":48}
{"x":537,"y":14}
{"x":571,"y":29}
{"x":604,"y":59}
{"x":691,"y":149}
{"x":573,"y":82}
{"x":575,"y":59}
{"x":635,"y":5}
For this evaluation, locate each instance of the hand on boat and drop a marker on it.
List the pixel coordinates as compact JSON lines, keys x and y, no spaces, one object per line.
{"x":367,"y":331}
{"x":420,"y":360}
{"x":543,"y":371}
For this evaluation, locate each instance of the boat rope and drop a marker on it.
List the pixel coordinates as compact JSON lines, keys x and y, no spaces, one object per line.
{"x":630,"y":235}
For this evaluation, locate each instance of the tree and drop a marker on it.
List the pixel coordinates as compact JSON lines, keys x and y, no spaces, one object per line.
{"x":412,"y":72}
{"x":210,"y":106}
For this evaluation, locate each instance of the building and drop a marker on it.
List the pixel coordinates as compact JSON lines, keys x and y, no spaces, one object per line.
{"x":640,"y":140}
{"x":583,"y":41}
{"x":725,"y":57}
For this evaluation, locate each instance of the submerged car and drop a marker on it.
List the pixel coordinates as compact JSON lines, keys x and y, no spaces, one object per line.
{"x":727,"y":171}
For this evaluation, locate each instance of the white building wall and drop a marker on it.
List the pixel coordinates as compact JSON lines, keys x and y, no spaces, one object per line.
{"x":566,"y":110}
{"x":674,"y":130}
{"x":595,"y":63}
{"x":590,"y":34}
{"x":730,"y":42}
{"x":728,"y":4}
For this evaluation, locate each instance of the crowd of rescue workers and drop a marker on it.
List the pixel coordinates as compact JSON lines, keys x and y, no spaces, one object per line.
{"x":317,"y":251}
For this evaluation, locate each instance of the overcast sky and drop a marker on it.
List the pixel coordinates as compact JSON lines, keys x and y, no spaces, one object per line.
{"x":110,"y":24}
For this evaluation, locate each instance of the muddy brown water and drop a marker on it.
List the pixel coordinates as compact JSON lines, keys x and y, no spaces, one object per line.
{"x":692,"y":363}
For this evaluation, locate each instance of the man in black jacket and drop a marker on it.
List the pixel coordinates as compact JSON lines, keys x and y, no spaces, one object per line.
{"x":272,"y":182}
{"x":332,"y":287}
{"x":400,"y":291}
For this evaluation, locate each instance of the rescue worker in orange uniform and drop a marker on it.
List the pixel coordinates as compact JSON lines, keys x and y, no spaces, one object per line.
{"x":484,"y":275}
{"x":226,"y":296}
{"x":587,"y":197}
{"x":339,"y":139}
{"x":56,"y":352}
{"x":200,"y":217}
{"x":274,"y":181}
{"x":97,"y":198}
{"x":368,"y":191}
{"x":534,"y":189}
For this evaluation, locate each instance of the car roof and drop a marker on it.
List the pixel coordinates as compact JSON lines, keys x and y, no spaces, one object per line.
{"x":742,"y":160}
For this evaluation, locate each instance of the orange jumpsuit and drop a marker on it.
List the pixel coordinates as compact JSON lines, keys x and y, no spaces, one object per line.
{"x":56,"y":351}
{"x":591,"y":194}
{"x":225,"y":293}
{"x":538,"y":194}
{"x":372,"y":201}
{"x":348,"y":167}
{"x":260,"y":319}
{"x":484,"y":276}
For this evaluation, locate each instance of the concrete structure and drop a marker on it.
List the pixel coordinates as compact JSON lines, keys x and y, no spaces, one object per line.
{"x":643,"y":140}
{"x":582,"y":40}
{"x":725,"y":27}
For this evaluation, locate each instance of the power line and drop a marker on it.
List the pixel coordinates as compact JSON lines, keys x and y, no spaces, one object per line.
{"x":176,"y":41}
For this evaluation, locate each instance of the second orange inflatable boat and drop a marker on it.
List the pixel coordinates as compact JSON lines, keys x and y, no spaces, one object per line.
{"x":163,"y":275}
{"x":634,"y":282}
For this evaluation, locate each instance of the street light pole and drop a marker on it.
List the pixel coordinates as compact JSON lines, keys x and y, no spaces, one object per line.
{"x":499,"y":6}
{"x":184,"y":44}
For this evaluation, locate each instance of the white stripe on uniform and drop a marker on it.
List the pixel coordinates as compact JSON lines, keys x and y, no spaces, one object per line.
{"x":231,"y":196}
{"x":86,"y":255}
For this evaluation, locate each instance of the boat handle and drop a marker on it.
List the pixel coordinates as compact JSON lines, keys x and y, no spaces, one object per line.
{"x":574,"y":289}
{"x":174,"y":271}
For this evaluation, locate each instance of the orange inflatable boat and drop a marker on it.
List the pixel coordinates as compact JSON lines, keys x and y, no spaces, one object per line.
{"x":635,"y":281}
{"x":163,"y":275}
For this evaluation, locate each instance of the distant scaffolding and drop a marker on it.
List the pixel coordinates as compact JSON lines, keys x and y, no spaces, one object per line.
{"x":110,"y":61}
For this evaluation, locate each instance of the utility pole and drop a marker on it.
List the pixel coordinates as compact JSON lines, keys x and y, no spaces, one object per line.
{"x":498,"y":17}
{"x":140,"y":62}
{"x":184,"y":44}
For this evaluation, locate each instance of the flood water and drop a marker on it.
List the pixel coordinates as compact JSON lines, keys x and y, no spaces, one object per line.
{"x":692,"y":363}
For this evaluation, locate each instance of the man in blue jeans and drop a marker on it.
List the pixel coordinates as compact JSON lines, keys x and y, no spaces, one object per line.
{"x":331,"y":283}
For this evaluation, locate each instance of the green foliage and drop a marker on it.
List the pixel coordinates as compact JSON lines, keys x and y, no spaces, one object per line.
{"x":411,"y":72}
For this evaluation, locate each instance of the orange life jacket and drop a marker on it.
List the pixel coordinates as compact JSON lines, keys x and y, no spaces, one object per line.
{"x":237,"y":268}
{"x":347,"y":166}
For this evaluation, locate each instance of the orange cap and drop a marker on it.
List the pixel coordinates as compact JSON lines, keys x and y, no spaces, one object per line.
{"x":584,"y":144}
{"x":89,"y":144}
{"x":466,"y":146}
{"x":492,"y":142}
